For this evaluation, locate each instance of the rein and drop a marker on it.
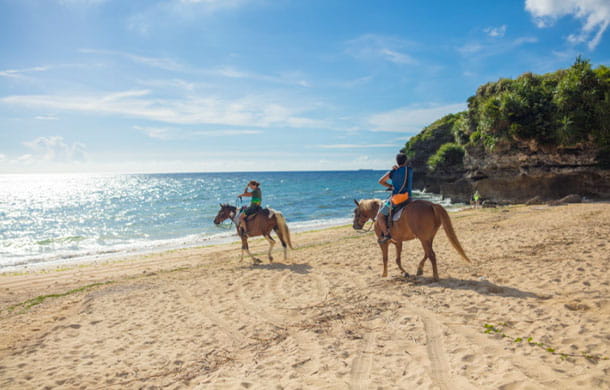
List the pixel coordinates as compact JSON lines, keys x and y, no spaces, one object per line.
{"x":362,"y":231}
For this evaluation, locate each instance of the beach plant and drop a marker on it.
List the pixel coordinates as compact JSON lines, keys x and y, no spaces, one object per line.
{"x":497,"y":330}
{"x":41,"y":298}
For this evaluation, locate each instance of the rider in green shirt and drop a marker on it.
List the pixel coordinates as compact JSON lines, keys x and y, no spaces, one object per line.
{"x":255,"y":203}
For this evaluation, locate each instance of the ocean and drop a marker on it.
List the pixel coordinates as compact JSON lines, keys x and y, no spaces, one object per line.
{"x":49,"y":220}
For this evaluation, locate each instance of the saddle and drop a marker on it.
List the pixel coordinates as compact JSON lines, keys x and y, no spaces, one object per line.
{"x":397,"y":207}
{"x":396,"y":211}
{"x":265,"y":211}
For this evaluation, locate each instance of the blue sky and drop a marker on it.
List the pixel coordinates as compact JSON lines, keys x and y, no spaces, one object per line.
{"x":226,"y":85}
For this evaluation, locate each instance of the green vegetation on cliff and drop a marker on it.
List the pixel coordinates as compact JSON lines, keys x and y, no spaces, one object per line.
{"x":421,"y":147}
{"x":561,"y":109}
{"x":566,"y":108}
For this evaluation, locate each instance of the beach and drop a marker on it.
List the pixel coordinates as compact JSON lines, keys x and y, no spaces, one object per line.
{"x":530,"y":312}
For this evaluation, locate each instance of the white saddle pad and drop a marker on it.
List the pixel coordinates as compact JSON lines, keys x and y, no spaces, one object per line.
{"x":396,"y":216}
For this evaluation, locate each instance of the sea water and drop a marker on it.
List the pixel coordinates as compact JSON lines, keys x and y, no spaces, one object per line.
{"x":58,"y":219}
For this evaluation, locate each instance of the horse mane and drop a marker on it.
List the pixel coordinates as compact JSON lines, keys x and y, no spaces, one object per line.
{"x":367,"y":205}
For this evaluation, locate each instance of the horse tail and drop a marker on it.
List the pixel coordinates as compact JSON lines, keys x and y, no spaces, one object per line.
{"x":284,"y":233}
{"x":446,"y":221}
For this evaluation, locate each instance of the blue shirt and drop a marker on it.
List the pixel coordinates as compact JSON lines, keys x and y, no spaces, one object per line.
{"x":399,"y":179}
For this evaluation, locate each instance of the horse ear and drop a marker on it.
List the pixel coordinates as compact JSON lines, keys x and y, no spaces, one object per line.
{"x":357,"y":204}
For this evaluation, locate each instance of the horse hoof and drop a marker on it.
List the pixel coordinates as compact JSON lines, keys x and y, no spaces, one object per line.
{"x":406,"y":275}
{"x":257,"y":261}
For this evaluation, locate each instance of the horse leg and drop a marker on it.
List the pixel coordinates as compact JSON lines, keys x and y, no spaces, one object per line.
{"x":420,"y":267}
{"x":244,"y":244}
{"x":271,"y":242}
{"x":432,"y":256}
{"x":278,"y":231}
{"x":384,"y":253}
{"x":244,"y":247}
{"x":398,"y":261}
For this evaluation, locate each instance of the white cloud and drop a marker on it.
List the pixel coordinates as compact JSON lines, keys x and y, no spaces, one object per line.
{"x":46,"y":118}
{"x":162,"y":133}
{"x":81,"y":2}
{"x":54,"y":149}
{"x":213,"y":4}
{"x":254,"y":111}
{"x":594,"y":16}
{"x":17,"y":73}
{"x":226,"y":133}
{"x":2,"y":157}
{"x":182,"y":11}
{"x":496,"y":32}
{"x":356,"y":146}
{"x":167,"y":133}
{"x":493,"y":48}
{"x":411,"y":118}
{"x":155,"y":62}
{"x":375,"y":47}
{"x":230,"y":72}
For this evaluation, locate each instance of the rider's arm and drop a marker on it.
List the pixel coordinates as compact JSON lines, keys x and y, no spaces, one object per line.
{"x":384,"y":180}
{"x":246,"y":194}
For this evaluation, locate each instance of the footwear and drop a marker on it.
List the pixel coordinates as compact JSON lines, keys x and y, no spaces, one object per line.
{"x":384,"y":239}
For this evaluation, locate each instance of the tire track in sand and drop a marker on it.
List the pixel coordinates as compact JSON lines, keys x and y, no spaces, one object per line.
{"x":294,"y":297}
{"x":248,"y":286}
{"x":439,"y":368}
{"x":225,"y":327}
{"x":361,"y":365}
{"x":440,"y":372}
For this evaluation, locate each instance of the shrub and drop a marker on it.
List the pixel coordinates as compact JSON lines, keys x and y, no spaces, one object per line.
{"x":448,"y":156}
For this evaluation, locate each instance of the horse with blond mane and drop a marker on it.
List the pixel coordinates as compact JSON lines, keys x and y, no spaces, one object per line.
{"x":419,"y":219}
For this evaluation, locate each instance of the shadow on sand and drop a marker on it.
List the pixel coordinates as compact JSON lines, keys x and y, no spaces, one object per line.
{"x":483,"y":287}
{"x":296,"y":268}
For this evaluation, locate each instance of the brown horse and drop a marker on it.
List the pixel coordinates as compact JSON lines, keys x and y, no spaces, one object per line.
{"x":419,"y":219}
{"x":261,"y":224}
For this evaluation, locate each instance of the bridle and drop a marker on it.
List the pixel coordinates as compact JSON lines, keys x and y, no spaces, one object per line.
{"x":363,"y":231}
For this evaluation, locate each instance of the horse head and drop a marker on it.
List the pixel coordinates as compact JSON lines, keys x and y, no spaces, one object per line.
{"x":359,"y":218}
{"x":226,"y":211}
{"x":365,"y":209}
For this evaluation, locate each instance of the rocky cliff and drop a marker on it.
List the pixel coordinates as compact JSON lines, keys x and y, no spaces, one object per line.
{"x":515,"y":173}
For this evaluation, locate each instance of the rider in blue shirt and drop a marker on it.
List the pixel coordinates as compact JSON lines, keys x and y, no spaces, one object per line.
{"x":400,"y":177}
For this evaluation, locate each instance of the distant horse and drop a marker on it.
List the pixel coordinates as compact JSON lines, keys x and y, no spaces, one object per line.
{"x":260,"y":224}
{"x":419,"y":219}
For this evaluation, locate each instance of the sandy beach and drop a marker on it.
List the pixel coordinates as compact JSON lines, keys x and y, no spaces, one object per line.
{"x":531,"y":312}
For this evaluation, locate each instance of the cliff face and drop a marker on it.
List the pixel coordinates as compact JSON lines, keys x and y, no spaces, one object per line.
{"x":518,"y":172}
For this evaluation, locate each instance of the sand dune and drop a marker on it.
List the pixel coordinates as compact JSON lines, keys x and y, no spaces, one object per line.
{"x":199,"y":318}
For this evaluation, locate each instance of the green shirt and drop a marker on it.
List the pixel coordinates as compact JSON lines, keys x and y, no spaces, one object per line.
{"x":257,"y":197}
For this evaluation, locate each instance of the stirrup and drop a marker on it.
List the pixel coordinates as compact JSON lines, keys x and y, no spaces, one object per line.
{"x":384,"y":239}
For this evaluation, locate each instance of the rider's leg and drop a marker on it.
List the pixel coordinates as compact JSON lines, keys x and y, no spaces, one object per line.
{"x":242,"y":224}
{"x":383,"y":222}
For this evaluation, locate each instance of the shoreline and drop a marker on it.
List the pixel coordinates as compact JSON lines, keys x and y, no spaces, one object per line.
{"x":154,"y":247}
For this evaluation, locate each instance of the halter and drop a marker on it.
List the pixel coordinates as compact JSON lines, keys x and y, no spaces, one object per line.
{"x":362,"y":231}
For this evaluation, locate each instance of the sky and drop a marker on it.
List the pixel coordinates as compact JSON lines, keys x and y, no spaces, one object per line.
{"x":260,"y":85}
